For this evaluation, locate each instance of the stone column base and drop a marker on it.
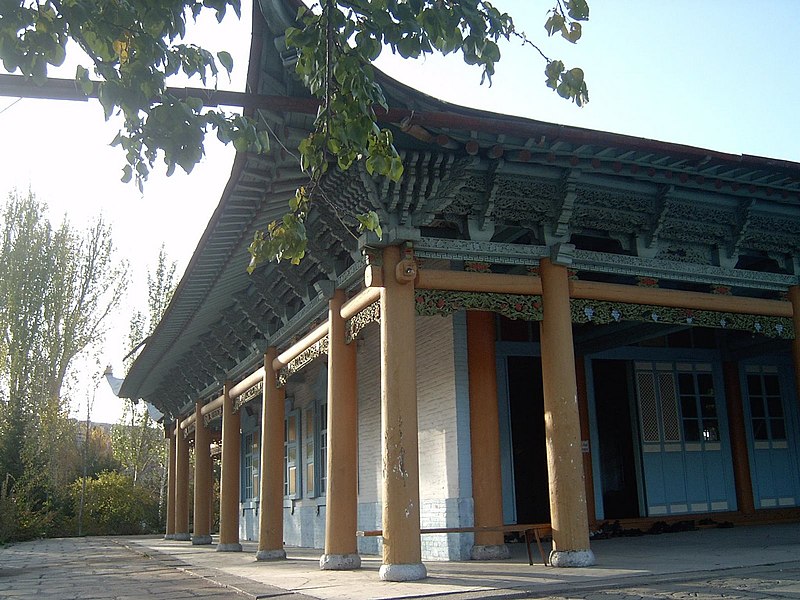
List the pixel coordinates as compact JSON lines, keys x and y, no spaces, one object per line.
{"x":183,"y":537}
{"x":169,"y":536}
{"x":405,"y":572}
{"x":271,"y":554}
{"x":339,"y":562}
{"x":490,"y":552}
{"x":235,"y":547}
{"x":571,"y":558}
{"x":201,"y":540}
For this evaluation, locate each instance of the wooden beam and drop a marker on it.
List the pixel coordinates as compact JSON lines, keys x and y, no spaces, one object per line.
{"x":434,"y":279}
{"x":612,"y":292}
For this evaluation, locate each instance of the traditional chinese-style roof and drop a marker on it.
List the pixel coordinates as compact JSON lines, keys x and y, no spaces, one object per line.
{"x":477,"y":186}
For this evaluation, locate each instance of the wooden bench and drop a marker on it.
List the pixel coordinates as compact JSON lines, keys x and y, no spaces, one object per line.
{"x":532,"y":532}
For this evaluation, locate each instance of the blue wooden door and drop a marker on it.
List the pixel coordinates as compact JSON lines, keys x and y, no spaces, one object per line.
{"x":771,"y":437}
{"x":685,"y":452}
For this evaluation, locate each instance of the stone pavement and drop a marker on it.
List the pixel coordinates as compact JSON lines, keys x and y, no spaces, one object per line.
{"x":740,"y":563}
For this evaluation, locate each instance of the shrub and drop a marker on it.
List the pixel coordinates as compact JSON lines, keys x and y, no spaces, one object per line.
{"x":113,"y":505}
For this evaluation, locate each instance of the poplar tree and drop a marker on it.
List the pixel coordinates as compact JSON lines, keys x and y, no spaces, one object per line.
{"x":138,"y":441}
{"x":58,"y":288}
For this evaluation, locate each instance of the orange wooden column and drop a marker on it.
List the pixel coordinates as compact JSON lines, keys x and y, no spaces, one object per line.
{"x":562,"y":424}
{"x":181,"y":486}
{"x":270,"y":520}
{"x":402,"y":551}
{"x":484,"y":424}
{"x":171,"y":439}
{"x":341,"y":511}
{"x":738,"y":436}
{"x":202,"y":480}
{"x":229,"y":479}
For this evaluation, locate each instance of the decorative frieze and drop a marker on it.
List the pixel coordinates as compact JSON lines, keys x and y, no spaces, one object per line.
{"x":212,"y":415}
{"x":529,"y":308}
{"x":474,"y":251}
{"x":683,"y":266}
{"x":601,"y":313}
{"x":477,"y":267}
{"x":354,"y":325}
{"x":648,"y":282}
{"x":513,"y":306}
{"x":302,"y":360}
{"x":248,"y":395}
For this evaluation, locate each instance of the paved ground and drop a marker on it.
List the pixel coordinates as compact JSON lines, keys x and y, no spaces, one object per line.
{"x":743,"y":563}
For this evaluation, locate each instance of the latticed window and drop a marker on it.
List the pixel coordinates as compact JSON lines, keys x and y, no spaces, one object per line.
{"x":308,"y":452}
{"x":766,"y":405}
{"x":698,"y":407}
{"x":250,"y":470}
{"x":290,"y":451}
{"x":677,"y":402}
{"x":648,"y":406}
{"x":322,"y":469}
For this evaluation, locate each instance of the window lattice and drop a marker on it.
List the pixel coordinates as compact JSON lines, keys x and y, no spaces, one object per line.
{"x":648,"y":406}
{"x":669,"y":407}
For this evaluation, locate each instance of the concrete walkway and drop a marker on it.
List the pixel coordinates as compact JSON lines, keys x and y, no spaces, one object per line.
{"x":738,"y":563}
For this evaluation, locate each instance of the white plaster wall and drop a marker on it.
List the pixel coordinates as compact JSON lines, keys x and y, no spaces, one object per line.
{"x":436,"y":409}
{"x":441,"y":431}
{"x":369,"y":417}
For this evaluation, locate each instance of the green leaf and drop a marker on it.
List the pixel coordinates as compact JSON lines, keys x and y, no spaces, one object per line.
{"x":196,"y":104}
{"x":82,"y":77}
{"x":578,"y":9}
{"x":574,"y":33}
{"x":554,"y":24}
{"x":226,"y":60}
{"x":370,"y":221}
{"x":240,"y":143}
{"x":396,"y":169}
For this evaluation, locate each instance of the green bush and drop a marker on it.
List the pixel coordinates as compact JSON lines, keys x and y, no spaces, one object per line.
{"x":113,"y":505}
{"x":23,"y":519}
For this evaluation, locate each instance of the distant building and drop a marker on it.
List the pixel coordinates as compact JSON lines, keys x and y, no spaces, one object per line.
{"x":559,"y":326}
{"x":80,"y":429}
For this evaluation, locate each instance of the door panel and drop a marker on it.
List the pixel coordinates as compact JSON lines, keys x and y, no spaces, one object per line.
{"x":686,"y":459}
{"x":771,"y":436}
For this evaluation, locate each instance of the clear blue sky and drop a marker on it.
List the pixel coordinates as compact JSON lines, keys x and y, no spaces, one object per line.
{"x":719,"y":74}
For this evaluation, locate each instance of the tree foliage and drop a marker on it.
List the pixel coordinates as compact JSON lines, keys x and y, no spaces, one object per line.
{"x":114,"y":505}
{"x":134,"y":47}
{"x":58,"y":286}
{"x":137,"y":440}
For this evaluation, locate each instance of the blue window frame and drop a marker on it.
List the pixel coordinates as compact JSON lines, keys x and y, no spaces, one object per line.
{"x":250,"y":463}
{"x":309,"y":455}
{"x":322,"y":469}
{"x":291,"y":449}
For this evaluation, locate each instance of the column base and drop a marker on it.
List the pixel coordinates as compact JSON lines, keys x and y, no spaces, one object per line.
{"x":182,"y":537}
{"x":169,"y":536}
{"x":271,"y":554}
{"x":201,"y":540}
{"x":405,"y":572}
{"x":490,"y":552}
{"x":339,"y":562}
{"x":571,"y":558}
{"x":234,"y":547}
